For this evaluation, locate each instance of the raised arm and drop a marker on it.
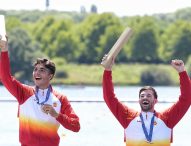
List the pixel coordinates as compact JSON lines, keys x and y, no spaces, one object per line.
{"x":14,"y":86}
{"x":175,"y":113}
{"x":4,"y":48}
{"x":123,"y":114}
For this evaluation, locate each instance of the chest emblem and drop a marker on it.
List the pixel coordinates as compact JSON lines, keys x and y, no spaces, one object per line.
{"x":55,"y":104}
{"x":155,"y":123}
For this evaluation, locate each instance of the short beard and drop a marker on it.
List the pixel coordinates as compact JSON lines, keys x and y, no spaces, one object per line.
{"x":146,"y":109}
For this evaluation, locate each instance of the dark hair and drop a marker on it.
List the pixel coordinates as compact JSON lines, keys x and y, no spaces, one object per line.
{"x":47,"y":63}
{"x":148,"y":88}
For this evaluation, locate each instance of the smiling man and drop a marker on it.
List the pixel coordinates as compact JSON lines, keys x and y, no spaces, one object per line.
{"x":148,"y":126}
{"x":41,"y":108}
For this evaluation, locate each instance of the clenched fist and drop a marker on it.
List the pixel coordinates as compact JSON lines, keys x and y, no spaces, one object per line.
{"x":178,"y":65}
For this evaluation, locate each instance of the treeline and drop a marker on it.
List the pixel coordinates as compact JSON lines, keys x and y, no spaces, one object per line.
{"x":83,"y":38}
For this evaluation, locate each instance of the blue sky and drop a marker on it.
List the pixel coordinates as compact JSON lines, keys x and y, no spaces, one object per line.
{"x":119,"y":7}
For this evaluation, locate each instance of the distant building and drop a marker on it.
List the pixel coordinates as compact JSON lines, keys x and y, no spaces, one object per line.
{"x":93,"y":9}
{"x":47,"y":4}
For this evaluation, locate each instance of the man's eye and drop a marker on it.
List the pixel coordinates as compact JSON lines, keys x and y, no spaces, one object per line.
{"x":40,"y":70}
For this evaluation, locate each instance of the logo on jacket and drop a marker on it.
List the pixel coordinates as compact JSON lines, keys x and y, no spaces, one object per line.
{"x":155,"y":123}
{"x":55,"y":104}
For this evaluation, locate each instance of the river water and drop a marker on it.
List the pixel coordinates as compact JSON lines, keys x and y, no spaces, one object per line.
{"x":98,"y":125}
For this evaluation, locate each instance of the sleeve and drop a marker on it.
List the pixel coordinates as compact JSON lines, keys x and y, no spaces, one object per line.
{"x":0,"y":69}
{"x":18,"y":90}
{"x":67,"y":117}
{"x":175,"y":113}
{"x":122,"y":113}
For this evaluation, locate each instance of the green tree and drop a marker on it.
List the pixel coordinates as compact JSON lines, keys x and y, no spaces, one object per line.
{"x":183,"y":14}
{"x":41,"y":28}
{"x":182,"y":47}
{"x":12,"y":23}
{"x":145,"y":41}
{"x":176,"y":41}
{"x":107,"y":41}
{"x":47,"y":32}
{"x":21,"y":54}
{"x":67,"y":46}
{"x":188,"y":66}
{"x":91,"y":31}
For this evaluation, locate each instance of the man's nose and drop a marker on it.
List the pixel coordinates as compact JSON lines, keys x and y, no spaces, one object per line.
{"x":37,"y":72}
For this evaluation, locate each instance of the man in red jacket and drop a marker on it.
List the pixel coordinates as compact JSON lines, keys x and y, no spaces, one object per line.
{"x":148,"y":126}
{"x":41,"y":108}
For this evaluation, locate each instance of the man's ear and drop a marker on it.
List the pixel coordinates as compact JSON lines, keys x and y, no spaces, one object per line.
{"x":156,"y":100}
{"x":51,"y":76}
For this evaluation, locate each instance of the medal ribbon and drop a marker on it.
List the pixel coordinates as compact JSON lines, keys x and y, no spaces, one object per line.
{"x":47,"y":95}
{"x":148,"y":136}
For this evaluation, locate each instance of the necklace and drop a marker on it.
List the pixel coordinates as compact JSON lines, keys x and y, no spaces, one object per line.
{"x":47,"y":95}
{"x":150,"y":134}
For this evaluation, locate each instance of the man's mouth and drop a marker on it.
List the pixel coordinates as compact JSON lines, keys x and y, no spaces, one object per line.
{"x":145,"y":102}
{"x":38,"y":78}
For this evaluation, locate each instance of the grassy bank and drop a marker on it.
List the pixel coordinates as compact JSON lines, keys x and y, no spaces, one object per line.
{"x":123,"y":74}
